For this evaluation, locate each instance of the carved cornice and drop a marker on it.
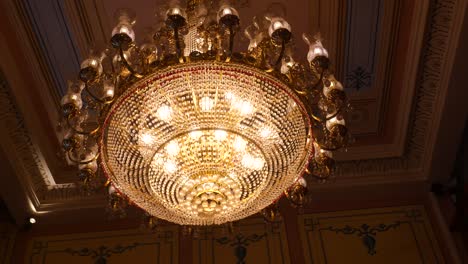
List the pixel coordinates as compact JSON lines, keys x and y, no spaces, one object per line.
{"x":26,"y":158}
{"x":431,"y":85}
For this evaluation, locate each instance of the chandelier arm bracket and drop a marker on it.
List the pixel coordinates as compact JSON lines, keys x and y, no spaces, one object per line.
{"x":81,"y":132}
{"x":104,"y":102}
{"x":337,"y":112}
{"x":127,"y":65}
{"x":177,"y":45}
{"x":231,"y":43}
{"x":82,"y":162}
{"x":281,"y":54}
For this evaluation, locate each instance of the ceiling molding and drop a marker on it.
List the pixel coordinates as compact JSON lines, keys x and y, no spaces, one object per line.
{"x":89,"y":23}
{"x":28,"y":161}
{"x":440,"y":39}
{"x":377,"y":100}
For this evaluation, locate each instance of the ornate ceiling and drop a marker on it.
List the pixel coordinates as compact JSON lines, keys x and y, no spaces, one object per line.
{"x":395,"y":58}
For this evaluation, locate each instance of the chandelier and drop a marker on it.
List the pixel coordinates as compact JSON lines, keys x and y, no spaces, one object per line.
{"x":194,"y":132}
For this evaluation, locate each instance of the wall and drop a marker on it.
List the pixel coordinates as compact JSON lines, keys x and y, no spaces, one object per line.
{"x":387,"y":235}
{"x":383,"y":235}
{"x":7,"y":239}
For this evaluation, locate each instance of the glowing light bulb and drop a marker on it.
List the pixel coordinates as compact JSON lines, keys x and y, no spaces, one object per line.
{"x":251,"y":162}
{"x":266,"y":132}
{"x":111,"y":189}
{"x":147,"y":139}
{"x":233,"y":175}
{"x":195,"y":135}
{"x":172,"y":148}
{"x":32,"y":220}
{"x":244,"y":107}
{"x":285,"y":67}
{"x":110,"y":93}
{"x":124,"y":28}
{"x":334,"y":84}
{"x":278,"y":23}
{"x":302,"y":181}
{"x":226,"y":11}
{"x":170,"y":166}
{"x":316,"y":49}
{"x":92,"y":62}
{"x":334,"y":121}
{"x":229,"y":95}
{"x":73,"y":98}
{"x":164,"y":113}
{"x":108,"y":88}
{"x":220,"y":134}
{"x":206,"y":104}
{"x":258,"y":163}
{"x":174,"y":12}
{"x":239,"y":144}
{"x":247,"y":160}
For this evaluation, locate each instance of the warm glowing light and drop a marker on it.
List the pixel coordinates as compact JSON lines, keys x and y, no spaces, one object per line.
{"x":239,"y":144}
{"x":258,"y":163}
{"x":285,"y":67}
{"x":147,"y":139}
{"x":172,"y":148}
{"x":302,"y":181}
{"x":206,"y":104}
{"x":94,"y":63}
{"x":124,"y":28}
{"x":110,"y":93}
{"x":334,"y":121}
{"x":195,"y":135}
{"x":220,"y":134}
{"x":229,"y":95}
{"x":170,"y":166}
{"x":278,"y":23}
{"x":226,"y":11}
{"x":32,"y":220}
{"x":316,"y":49}
{"x":174,"y":11}
{"x":267,"y":133}
{"x":244,"y":107}
{"x":251,"y":162}
{"x":164,"y":113}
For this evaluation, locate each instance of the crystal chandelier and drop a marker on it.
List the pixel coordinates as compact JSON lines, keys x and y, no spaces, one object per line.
{"x":196,"y":133}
